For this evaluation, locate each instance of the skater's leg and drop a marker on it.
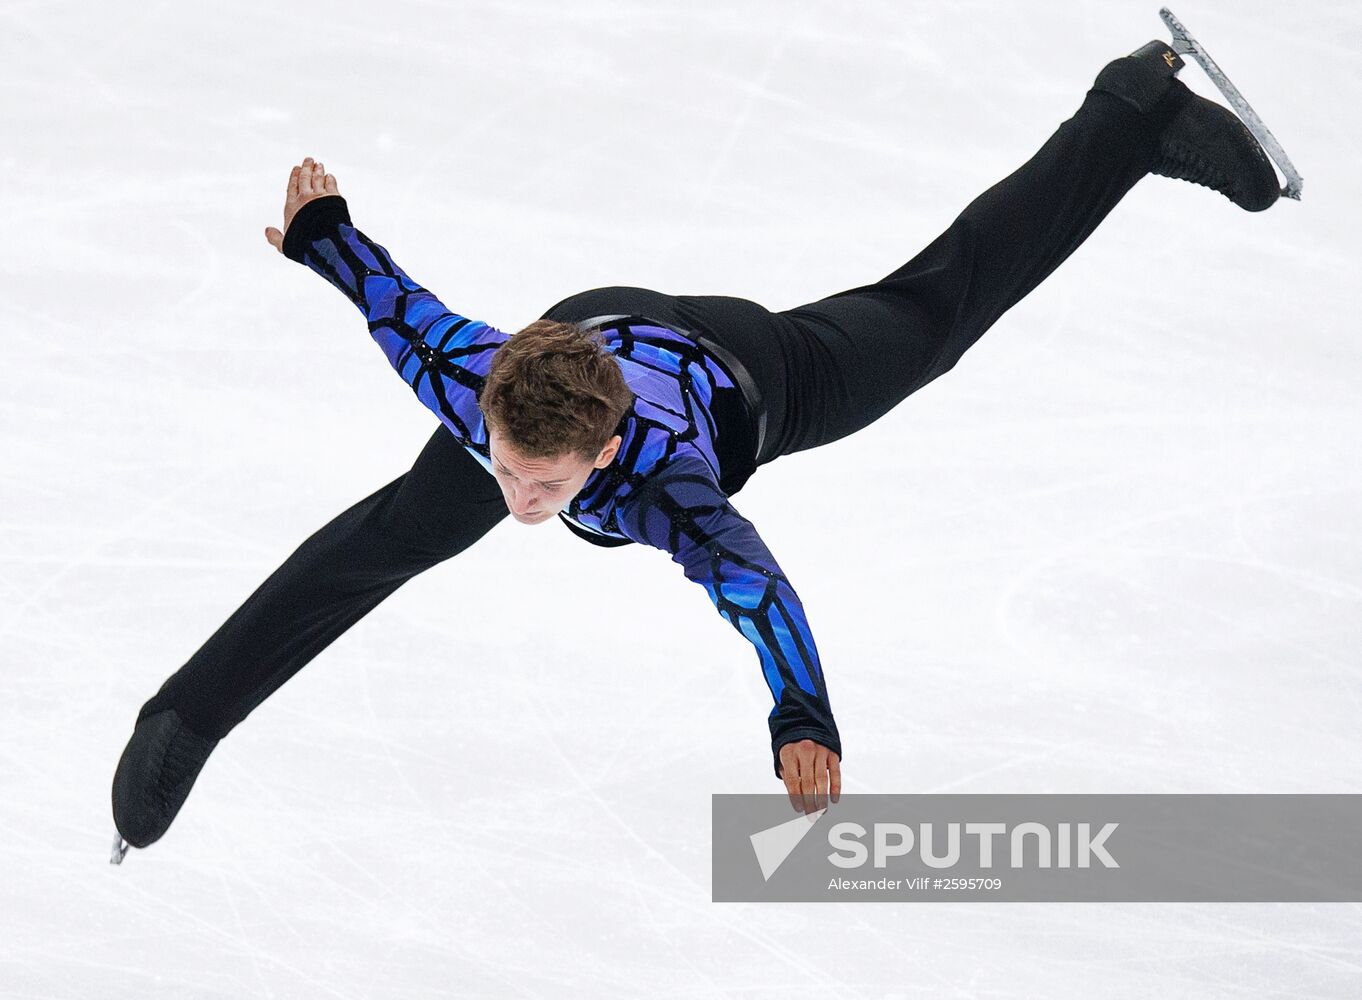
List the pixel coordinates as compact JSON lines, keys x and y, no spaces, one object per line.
{"x":445,"y":503}
{"x":829,"y":368}
{"x":862,"y":351}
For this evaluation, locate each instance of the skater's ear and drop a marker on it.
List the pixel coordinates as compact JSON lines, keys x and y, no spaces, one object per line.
{"x":608,"y":453}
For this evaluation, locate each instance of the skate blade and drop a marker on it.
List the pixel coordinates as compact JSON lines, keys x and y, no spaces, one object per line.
{"x":120,"y":850}
{"x":1185,"y":44}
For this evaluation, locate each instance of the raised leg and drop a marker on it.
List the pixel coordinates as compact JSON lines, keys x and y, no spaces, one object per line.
{"x":868,"y":348}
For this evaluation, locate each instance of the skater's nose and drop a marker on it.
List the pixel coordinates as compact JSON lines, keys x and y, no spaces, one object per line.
{"x":523,"y":501}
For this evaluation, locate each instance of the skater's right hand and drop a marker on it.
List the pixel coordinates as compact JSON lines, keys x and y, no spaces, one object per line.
{"x":308,"y":182}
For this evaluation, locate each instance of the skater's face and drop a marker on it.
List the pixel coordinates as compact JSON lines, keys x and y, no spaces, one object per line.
{"x":536,"y":489}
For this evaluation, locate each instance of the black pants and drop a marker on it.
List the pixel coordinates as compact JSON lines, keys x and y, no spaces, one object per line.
{"x":826,"y":369}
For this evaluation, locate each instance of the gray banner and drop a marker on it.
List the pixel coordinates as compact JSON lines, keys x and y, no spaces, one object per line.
{"x":1040,"y":848}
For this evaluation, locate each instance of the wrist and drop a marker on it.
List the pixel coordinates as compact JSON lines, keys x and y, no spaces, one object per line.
{"x":316,"y":219}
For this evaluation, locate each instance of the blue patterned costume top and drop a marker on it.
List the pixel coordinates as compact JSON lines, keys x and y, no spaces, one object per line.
{"x":662,"y":488}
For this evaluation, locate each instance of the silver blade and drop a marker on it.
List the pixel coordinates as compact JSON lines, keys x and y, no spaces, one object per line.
{"x":1185,"y":44}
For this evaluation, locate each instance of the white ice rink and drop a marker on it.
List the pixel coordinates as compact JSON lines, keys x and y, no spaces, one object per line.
{"x":1115,"y":550}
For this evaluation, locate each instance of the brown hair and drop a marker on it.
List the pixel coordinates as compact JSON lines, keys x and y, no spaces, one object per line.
{"x":555,"y":388}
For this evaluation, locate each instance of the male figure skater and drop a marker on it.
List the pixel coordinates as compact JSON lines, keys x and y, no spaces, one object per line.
{"x":635,"y":416}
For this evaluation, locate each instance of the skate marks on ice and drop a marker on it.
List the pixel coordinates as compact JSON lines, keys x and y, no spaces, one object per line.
{"x":1209,"y":629}
{"x":367,"y":877}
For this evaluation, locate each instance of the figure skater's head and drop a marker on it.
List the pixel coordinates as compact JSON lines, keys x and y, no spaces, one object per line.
{"x":553,"y":399}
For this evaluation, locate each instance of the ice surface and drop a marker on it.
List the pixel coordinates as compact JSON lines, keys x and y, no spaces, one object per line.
{"x":1115,"y":550}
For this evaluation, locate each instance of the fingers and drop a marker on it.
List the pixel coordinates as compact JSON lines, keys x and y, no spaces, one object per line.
{"x":789,"y":773}
{"x":306,"y":181}
{"x":810,"y":772}
{"x":310,"y":180}
{"x":820,"y":778}
{"x":808,"y":785}
{"x":275,"y":238}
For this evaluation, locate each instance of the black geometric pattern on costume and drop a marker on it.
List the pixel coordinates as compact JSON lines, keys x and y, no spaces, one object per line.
{"x":662,"y":489}
{"x":683,"y":511}
{"x":434,"y":360}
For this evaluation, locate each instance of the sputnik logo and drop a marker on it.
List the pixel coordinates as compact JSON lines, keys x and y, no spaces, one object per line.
{"x":774,"y":844}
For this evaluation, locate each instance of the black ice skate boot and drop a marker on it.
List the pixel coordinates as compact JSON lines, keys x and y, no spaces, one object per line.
{"x":155,"y":774}
{"x":1202,"y":142}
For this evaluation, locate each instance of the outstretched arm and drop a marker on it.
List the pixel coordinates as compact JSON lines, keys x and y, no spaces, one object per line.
{"x":682,"y":510}
{"x":443,"y":356}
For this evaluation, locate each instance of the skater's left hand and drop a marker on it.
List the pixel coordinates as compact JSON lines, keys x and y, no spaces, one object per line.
{"x":308,"y":182}
{"x":810,"y":771}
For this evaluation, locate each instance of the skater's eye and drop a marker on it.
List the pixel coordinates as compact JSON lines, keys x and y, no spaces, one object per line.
{"x":550,"y":487}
